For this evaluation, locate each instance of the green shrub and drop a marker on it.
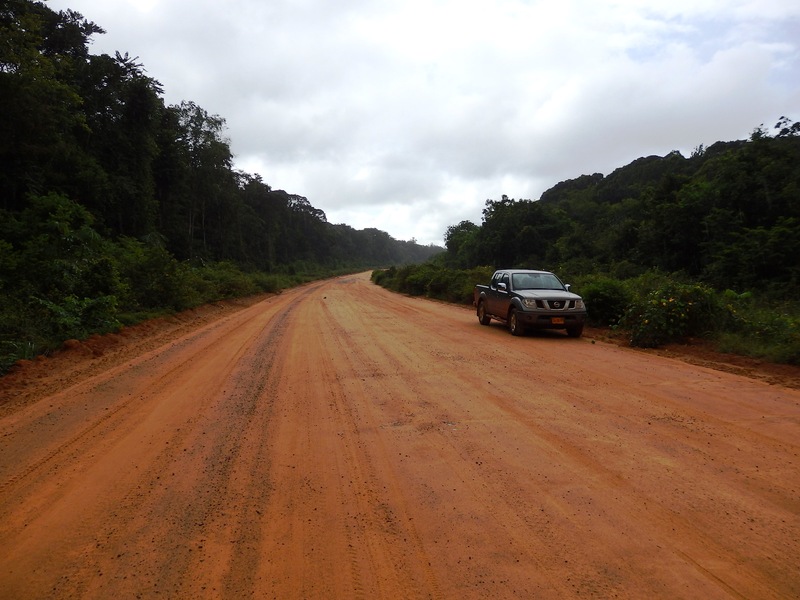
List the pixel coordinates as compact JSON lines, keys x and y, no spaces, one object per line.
{"x":449,"y":285}
{"x":418,"y":280}
{"x":22,"y":331}
{"x":383,"y":276}
{"x":78,"y":317}
{"x":606,"y":300}
{"x":671,"y":312}
{"x":434,"y":281}
{"x":154,"y":279}
{"x":226,"y":280}
{"x":266,"y":283}
{"x":761,"y":329}
{"x":784,"y":351}
{"x":473,"y":277}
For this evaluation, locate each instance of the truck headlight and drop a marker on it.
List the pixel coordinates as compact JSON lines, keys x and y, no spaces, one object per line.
{"x":579,"y":304}
{"x":529,"y":302}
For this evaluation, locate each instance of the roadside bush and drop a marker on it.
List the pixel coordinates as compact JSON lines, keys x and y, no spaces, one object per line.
{"x":418,"y":281}
{"x":761,"y":329}
{"x":382,"y":277}
{"x":398,"y":282}
{"x":155,"y":280}
{"x":433,"y":281}
{"x":670,"y":313}
{"x":473,"y":277}
{"x":226,"y":280}
{"x":451,"y":286}
{"x":22,"y":331}
{"x":75,"y":317}
{"x":266,"y":283}
{"x":606,"y":300}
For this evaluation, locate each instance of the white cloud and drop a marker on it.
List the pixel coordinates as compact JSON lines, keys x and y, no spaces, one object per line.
{"x":406,"y":115}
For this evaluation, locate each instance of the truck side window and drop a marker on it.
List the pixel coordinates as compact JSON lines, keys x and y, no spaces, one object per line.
{"x":505,"y":280}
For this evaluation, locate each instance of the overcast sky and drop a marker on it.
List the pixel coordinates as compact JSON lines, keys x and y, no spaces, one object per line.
{"x":406,"y":115}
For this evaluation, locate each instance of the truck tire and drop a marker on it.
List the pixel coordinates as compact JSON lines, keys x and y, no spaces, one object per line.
{"x":514,"y":326}
{"x":483,"y":318}
{"x":575,"y":331}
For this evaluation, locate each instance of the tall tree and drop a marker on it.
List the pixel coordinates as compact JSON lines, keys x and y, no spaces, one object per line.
{"x":39,"y":104}
{"x":122,"y":109}
{"x":210,"y":176}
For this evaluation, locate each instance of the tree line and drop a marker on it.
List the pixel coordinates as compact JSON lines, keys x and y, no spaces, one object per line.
{"x":115,"y":205}
{"x":665,"y":248}
{"x":728,"y":215}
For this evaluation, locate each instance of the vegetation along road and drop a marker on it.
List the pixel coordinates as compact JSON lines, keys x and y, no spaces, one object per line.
{"x":341,"y":441}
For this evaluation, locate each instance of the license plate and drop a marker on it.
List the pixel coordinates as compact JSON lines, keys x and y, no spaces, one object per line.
{"x":558,"y":320}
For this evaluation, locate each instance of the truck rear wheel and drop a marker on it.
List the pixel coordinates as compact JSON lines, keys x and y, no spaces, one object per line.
{"x":514,"y":326}
{"x":483,"y":318}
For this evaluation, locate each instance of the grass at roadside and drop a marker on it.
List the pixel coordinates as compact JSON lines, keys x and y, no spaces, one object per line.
{"x":40,"y":326}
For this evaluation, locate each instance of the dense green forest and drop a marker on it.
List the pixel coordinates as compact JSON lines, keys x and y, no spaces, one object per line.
{"x":728,"y":215}
{"x":114,"y":205}
{"x":664,"y":248}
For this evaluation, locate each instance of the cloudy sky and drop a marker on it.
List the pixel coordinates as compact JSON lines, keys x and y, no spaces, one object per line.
{"x":406,"y":115}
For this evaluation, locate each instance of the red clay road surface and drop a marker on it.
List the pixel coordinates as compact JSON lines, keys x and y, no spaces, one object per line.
{"x":341,"y":441}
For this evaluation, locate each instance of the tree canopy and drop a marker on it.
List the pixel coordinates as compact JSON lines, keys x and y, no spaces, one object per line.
{"x":728,"y":215}
{"x":96,"y":130}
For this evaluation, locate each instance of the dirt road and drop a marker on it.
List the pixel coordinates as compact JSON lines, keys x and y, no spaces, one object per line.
{"x":340,"y":441}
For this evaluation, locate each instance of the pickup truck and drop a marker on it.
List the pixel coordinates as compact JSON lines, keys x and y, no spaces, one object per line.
{"x":524,"y":299}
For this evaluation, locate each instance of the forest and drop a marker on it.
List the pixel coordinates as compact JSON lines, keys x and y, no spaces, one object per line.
{"x":664,"y":248}
{"x":115,"y":206}
{"x":729,"y":215}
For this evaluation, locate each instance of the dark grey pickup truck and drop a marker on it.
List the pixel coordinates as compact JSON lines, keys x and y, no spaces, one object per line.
{"x":529,"y":299}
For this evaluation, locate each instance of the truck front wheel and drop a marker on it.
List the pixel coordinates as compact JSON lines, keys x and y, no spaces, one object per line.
{"x":483,"y":318}
{"x":514,"y":326}
{"x":575,"y":331}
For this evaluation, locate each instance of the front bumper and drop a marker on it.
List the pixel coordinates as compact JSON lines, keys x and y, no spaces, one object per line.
{"x":551,"y":320}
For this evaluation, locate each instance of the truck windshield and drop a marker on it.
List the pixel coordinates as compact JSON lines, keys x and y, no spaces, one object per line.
{"x":536,"y":281}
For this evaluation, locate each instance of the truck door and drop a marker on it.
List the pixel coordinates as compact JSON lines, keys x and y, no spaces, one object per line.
{"x":498,"y":297}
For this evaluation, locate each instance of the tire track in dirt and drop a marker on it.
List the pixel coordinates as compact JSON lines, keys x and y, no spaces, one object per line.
{"x":568,"y":442}
{"x":481,"y":473}
{"x":392,"y":504}
{"x":384,"y":360}
{"x":191,"y":376}
{"x":125,"y":397}
{"x":333,"y":503}
{"x":341,"y":441}
{"x":643,"y":509}
{"x":214,"y":510}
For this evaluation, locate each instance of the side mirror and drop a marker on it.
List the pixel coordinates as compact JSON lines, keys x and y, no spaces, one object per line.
{"x":567,"y":286}
{"x":502,"y":287}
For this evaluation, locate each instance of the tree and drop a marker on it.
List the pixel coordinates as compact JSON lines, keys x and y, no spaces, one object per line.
{"x":210,"y":177}
{"x":786,"y":128}
{"x":460,"y":240}
{"x":39,"y":104}
{"x":122,"y":109}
